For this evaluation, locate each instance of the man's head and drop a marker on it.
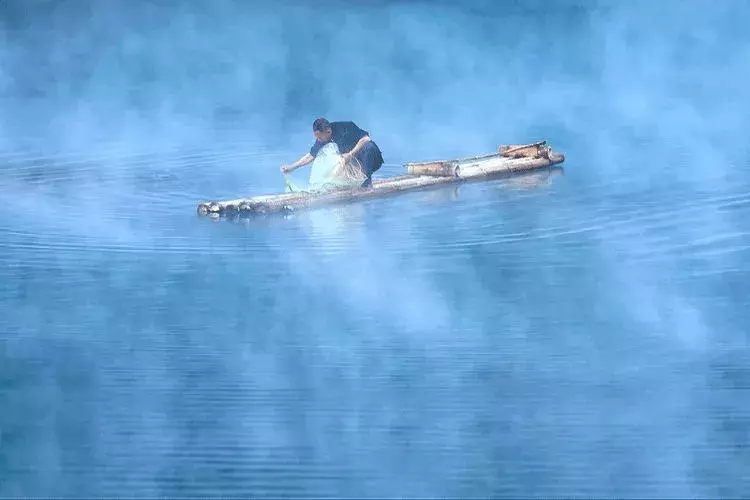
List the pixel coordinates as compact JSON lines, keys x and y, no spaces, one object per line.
{"x":322,"y":129}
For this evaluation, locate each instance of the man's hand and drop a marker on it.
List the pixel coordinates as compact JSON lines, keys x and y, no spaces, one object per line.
{"x":347,"y":157}
{"x":285,"y":169}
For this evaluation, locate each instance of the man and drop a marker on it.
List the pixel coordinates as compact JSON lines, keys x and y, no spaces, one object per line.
{"x":352,"y":141}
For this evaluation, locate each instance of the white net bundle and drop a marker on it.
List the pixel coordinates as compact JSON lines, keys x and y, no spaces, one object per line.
{"x":329,"y":173}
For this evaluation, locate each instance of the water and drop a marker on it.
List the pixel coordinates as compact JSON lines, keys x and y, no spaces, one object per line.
{"x":575,"y":331}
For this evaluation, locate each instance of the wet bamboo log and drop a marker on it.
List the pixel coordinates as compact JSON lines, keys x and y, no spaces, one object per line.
{"x":461,"y":170}
{"x":436,"y":169}
{"x":524,"y":150}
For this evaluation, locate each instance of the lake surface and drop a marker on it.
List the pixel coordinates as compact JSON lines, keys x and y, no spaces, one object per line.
{"x":580,"y":331}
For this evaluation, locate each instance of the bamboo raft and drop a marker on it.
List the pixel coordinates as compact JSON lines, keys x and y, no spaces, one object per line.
{"x":421,"y":175}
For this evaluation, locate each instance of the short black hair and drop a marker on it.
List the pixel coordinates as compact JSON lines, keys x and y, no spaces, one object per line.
{"x":321,"y":124}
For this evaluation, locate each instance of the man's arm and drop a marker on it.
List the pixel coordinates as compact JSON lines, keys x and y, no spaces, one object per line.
{"x":364,"y":140}
{"x":297,"y":164}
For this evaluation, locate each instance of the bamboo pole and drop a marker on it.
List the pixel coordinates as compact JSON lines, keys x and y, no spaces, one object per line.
{"x":475,"y":169}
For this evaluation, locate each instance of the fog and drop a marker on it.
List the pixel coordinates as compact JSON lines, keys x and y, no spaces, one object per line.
{"x":87,"y":78}
{"x":118,"y":117}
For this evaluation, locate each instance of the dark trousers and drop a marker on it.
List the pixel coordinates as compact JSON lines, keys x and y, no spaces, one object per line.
{"x":371,"y":159}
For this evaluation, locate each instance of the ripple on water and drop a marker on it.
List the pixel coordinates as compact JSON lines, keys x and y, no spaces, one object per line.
{"x":491,"y":215}
{"x":274,"y":360}
{"x":115,"y":202}
{"x":135,"y":204}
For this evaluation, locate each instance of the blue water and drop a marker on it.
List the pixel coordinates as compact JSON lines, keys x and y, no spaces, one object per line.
{"x":580,"y":331}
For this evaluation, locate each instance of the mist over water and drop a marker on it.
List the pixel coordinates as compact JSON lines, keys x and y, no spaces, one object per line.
{"x":567,"y":332}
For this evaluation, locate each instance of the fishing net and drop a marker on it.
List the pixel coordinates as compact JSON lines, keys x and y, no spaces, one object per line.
{"x":328,"y":173}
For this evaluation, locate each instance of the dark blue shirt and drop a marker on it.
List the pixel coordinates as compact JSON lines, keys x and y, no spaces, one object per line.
{"x":344,"y":134}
